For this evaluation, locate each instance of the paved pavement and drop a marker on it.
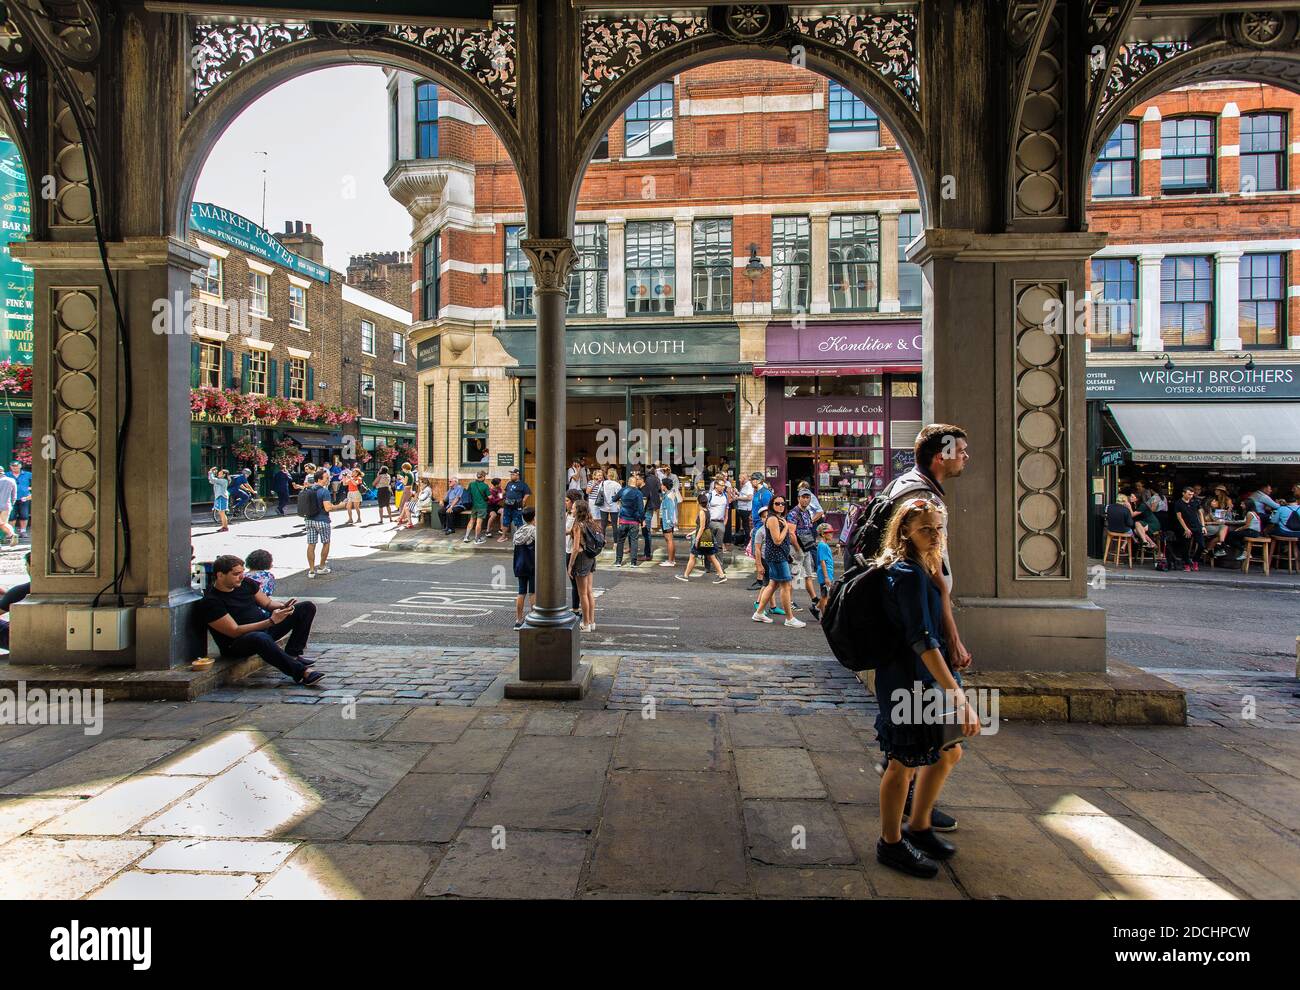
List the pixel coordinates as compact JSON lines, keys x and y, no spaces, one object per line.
{"x":229,"y":801}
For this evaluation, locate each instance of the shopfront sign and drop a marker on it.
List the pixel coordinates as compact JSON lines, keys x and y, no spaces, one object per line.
{"x":428,"y":353}
{"x":231,"y":228}
{"x":633,"y":348}
{"x":850,"y":407}
{"x":1200,"y":382}
{"x":895,"y":343}
{"x":15,"y":278}
{"x":1113,"y":456}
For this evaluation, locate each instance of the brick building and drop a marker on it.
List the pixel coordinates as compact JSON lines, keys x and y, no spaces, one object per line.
{"x":272,"y":325}
{"x":1194,"y":351}
{"x":741,"y":285}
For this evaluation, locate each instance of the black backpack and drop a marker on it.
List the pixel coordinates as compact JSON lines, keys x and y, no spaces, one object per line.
{"x":593,"y":541}
{"x":869,"y":520}
{"x":855,"y":622}
{"x":307,"y":504}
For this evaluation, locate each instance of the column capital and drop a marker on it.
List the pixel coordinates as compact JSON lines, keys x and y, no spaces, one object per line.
{"x":135,"y":253}
{"x":889,"y":213}
{"x":552,"y":259}
{"x":1230,"y":255}
{"x":966,"y":245}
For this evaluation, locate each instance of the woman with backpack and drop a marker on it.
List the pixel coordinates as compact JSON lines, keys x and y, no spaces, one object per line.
{"x":915,"y":661}
{"x":703,"y":544}
{"x":778,"y":547}
{"x":586,"y":536}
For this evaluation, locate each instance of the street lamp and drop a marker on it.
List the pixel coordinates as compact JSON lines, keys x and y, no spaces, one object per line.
{"x":752,"y":271}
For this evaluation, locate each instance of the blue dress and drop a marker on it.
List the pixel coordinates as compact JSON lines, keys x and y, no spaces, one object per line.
{"x":915,"y":610}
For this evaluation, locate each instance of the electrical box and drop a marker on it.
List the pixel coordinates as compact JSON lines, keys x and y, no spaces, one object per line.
{"x":112,"y":629}
{"x":81,"y":629}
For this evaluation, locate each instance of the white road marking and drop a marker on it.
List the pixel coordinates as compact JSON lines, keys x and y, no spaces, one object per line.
{"x":390,"y":622}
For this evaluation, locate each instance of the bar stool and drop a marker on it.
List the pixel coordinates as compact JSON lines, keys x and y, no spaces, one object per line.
{"x":1152,"y":554}
{"x":1122,"y":543}
{"x":1253,"y":543}
{"x":1284,"y":552}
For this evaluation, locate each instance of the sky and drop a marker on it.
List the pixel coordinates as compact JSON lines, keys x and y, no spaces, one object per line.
{"x":326,"y":138}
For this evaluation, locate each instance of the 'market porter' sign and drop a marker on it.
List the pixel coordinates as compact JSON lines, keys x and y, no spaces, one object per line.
{"x":228,"y":226}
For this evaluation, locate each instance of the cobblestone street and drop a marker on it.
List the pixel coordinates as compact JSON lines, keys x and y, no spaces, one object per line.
{"x":217,"y":800}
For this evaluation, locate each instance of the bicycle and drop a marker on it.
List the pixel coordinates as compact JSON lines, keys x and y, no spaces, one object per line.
{"x":251,"y":509}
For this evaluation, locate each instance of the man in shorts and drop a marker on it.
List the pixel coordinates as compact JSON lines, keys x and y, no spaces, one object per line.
{"x":23,"y":505}
{"x":8,"y":498}
{"x":479,"y":492}
{"x":318,"y":523}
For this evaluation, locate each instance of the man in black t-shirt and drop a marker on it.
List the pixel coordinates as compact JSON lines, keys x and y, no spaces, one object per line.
{"x":1187,"y":525}
{"x":244,"y":621}
{"x":11,"y":598}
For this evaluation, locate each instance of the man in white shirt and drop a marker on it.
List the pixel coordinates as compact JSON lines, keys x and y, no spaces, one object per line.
{"x":720,"y":499}
{"x":744,"y":505}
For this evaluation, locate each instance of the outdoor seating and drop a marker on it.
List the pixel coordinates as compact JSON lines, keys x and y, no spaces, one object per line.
{"x":1284,"y":552}
{"x":1253,"y":543}
{"x":1119,"y":544}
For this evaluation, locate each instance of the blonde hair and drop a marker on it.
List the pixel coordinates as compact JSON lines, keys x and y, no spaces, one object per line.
{"x":895,"y":545}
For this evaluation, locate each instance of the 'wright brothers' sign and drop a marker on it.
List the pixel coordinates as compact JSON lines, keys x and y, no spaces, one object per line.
{"x":1264,"y":381}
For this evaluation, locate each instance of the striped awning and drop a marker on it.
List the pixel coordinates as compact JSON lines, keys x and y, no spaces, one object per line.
{"x":835,"y":427}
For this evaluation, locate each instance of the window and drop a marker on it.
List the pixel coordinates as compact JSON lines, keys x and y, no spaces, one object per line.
{"x":1187,"y":155}
{"x":210,"y":280}
{"x":909,"y":275}
{"x":853,"y":124}
{"x":210,"y":365}
{"x":297,"y":378}
{"x":367,"y":393}
{"x":258,"y":294}
{"x":648,"y":124}
{"x":394,"y":130}
{"x":1263,"y":144}
{"x":298,"y":306}
{"x":473,"y":422}
{"x":791,"y":264}
{"x":651,"y":251}
{"x":601,"y":154}
{"x":589,"y":280}
{"x":431,"y":288}
{"x":399,"y":348}
{"x":1114,"y":302}
{"x":256,"y":384}
{"x":854,"y":253}
{"x":426,"y":120}
{"x":519,"y":276}
{"x":711,"y":263}
{"x":367,"y":338}
{"x":1261,"y":291}
{"x":399,"y":401}
{"x":1116,"y":172}
{"x":1186,"y":300}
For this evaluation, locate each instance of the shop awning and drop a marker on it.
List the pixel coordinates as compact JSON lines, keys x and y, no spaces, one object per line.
{"x":835,"y":427}
{"x":309,"y":439}
{"x":1211,"y":432}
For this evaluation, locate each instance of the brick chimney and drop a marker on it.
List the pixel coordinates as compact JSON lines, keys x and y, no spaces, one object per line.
{"x":299,"y":239}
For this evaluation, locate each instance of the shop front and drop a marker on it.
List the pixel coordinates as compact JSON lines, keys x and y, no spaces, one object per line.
{"x":390,"y":443}
{"x":843,"y":407}
{"x":1209,"y":424}
{"x":639,"y":395}
{"x":220,"y":442}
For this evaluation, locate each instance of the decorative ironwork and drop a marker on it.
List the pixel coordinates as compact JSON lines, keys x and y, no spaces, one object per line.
{"x":218,"y":50}
{"x":1135,"y":61}
{"x":886,"y":42}
{"x":611,"y":48}
{"x":490,"y":55}
{"x":14,"y":83}
{"x":69,"y":28}
{"x":748,"y":20}
{"x":1262,"y":29}
{"x":14,"y":49}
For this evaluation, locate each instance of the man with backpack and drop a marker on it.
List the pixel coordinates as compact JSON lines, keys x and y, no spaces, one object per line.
{"x":315,"y":507}
{"x":631,"y":517}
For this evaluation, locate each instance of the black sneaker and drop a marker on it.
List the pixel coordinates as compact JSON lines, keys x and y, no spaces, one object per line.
{"x":939,"y":821}
{"x":311,"y":677}
{"x":816,"y":612}
{"x":755,"y":584}
{"x":906,"y":858}
{"x":929,"y":843}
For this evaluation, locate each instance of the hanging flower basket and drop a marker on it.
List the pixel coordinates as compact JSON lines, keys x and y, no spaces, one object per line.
{"x":15,"y":377}
{"x":287,"y":454}
{"x":252,"y":410}
{"x":247,"y":452}
{"x":23,"y":452}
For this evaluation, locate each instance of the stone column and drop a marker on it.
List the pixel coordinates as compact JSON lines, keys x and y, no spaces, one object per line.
{"x":617,"y":309}
{"x":819,"y":300}
{"x":684,"y":304}
{"x":549,"y":654}
{"x":889,"y":261}
{"x":1227,"y":326}
{"x":1149,"y":300}
{"x":81,"y":386}
{"x":1016,"y":515}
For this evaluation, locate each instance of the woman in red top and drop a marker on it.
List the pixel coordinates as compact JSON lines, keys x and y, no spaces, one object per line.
{"x":355,"y":485}
{"x":496,"y":497}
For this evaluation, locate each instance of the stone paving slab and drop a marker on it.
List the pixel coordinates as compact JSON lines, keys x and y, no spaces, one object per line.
{"x":550,"y":800}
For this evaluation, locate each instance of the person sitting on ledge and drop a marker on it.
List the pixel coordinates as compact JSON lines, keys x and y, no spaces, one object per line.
{"x":244,"y":620}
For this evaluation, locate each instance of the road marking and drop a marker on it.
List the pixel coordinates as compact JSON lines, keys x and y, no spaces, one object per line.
{"x":391,"y":622}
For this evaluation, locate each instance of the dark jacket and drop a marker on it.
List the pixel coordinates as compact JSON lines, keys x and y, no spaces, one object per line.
{"x":653,"y":492}
{"x":915,"y":609}
{"x":280,"y":482}
{"x":631,"y":504}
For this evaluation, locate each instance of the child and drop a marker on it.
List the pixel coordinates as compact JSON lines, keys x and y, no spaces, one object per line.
{"x":525,"y":544}
{"x":258,"y":567}
{"x":825,"y":567}
{"x":424,"y":504}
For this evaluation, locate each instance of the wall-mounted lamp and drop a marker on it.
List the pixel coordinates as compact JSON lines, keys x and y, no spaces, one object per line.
{"x":483,"y":276}
{"x":1250,"y":360}
{"x":1169,"y":362}
{"x":755,"y":266}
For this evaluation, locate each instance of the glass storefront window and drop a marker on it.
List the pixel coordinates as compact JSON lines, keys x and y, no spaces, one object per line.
{"x":867,"y":386}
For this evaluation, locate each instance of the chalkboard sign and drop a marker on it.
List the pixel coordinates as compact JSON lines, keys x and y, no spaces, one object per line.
{"x":505,"y":460}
